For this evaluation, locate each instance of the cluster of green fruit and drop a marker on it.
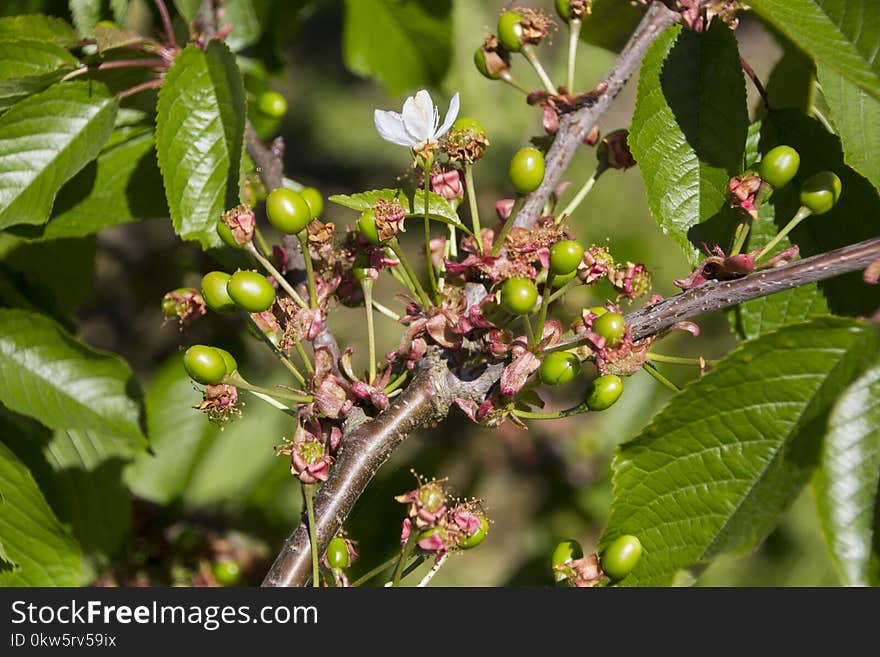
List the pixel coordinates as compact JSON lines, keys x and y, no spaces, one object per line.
{"x":819,"y":193}
{"x":617,"y":560}
{"x":519,"y":296}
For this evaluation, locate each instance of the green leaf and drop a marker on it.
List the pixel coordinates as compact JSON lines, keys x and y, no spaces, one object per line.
{"x":108,"y":38}
{"x":856,"y":116}
{"x":792,"y":80}
{"x":843,"y":34}
{"x":856,"y":216}
{"x":47,"y":138}
{"x":35,"y":549}
{"x":36,"y":27}
{"x":200,"y":139}
{"x":405,"y":44}
{"x":716,"y":467}
{"x":85,"y":14}
{"x":188,"y":8}
{"x":238,"y":458}
{"x":759,"y":316}
{"x":56,"y":277}
{"x":47,"y":374}
{"x":121,"y":186}
{"x":88,"y":476}
{"x":411,"y":198}
{"x":247,"y":18}
{"x":179,"y":436}
{"x":848,"y":484}
{"x":78,"y":472}
{"x":689,"y":127}
{"x":610,"y":24}
{"x":27,"y":67}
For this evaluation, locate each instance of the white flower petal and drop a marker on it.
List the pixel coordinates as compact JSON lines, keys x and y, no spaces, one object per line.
{"x":451,"y":115}
{"x":390,"y":128}
{"x":418,"y":116}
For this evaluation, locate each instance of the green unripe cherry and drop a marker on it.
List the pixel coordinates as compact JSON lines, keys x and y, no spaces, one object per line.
{"x":482,"y":66}
{"x":604,"y":392}
{"x":820,"y":192}
{"x":366,"y":226}
{"x":214,"y":292}
{"x":251,"y":291}
{"x":226,"y":236}
{"x":314,"y":200}
{"x":526,"y":170}
{"x":563,"y":8}
{"x":779,"y":166}
{"x":560,"y":280}
{"x":204,"y":364}
{"x":611,"y":326}
{"x":228,"y":359}
{"x":466,"y":123}
{"x":510,"y":30}
{"x":272,"y":104}
{"x":518,"y":296}
{"x":565,"y":551}
{"x":227,"y":572}
{"x":619,"y":558}
{"x":287,"y":210}
{"x":565,"y":256}
{"x":477,"y":537}
{"x":559,"y":367}
{"x":337,"y":553}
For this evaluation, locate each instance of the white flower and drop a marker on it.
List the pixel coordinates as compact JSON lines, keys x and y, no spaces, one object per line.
{"x":416,"y":127}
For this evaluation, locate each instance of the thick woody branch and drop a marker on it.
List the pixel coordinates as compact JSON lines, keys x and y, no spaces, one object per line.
{"x":574,"y":127}
{"x":366,"y":446}
{"x":369,"y":443}
{"x":431,"y":394}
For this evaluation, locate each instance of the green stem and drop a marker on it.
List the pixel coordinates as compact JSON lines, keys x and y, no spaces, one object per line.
{"x":404,"y":556}
{"x":802,"y":214}
{"x":270,"y":268}
{"x":432,"y":275}
{"x":414,"y":565}
{"x":404,"y":262}
{"x":653,"y":371}
{"x":403,"y":279}
{"x":574,"y":31}
{"x":545,"y":303}
{"x":472,"y":204}
{"x":509,"y":79}
{"x":676,"y":360}
{"x":555,"y":415}
{"x":558,"y":293}
{"x":375,"y":571}
{"x":304,"y":356}
{"x":303,"y":236}
{"x":285,"y":360}
{"x":308,"y":494}
{"x":505,"y":228}
{"x":529,"y":53}
{"x":239,"y":382}
{"x":585,"y":189}
{"x":385,"y":310}
{"x":739,"y":239}
{"x":528,"y":327}
{"x":367,"y":287}
{"x":394,"y":385}
{"x":261,"y":242}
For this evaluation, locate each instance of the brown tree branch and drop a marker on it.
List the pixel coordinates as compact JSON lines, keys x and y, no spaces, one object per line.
{"x":575,"y":126}
{"x":368,"y":443}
